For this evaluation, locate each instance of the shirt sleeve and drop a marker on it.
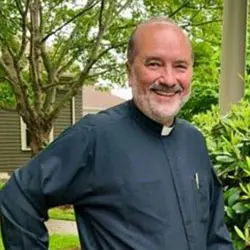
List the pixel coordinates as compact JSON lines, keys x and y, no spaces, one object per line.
{"x":59,"y":175}
{"x":218,"y":236}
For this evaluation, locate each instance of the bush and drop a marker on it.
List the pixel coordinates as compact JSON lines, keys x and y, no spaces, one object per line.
{"x":228,"y":141}
{"x":202,"y":99}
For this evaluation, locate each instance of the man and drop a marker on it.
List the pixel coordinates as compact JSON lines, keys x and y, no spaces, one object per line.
{"x":138,"y":177}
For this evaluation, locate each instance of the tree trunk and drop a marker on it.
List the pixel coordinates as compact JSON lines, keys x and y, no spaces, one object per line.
{"x":39,"y":137}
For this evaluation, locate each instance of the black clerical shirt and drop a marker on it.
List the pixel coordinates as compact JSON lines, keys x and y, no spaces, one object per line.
{"x":131,"y":187}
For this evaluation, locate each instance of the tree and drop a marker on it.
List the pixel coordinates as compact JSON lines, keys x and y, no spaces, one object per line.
{"x":47,"y":45}
{"x":40,"y":42}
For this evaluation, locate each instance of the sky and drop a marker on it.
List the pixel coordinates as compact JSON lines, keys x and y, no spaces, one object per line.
{"x":124,"y":93}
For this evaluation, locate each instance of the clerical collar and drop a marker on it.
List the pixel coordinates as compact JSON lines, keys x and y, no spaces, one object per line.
{"x":148,"y":123}
{"x":166,"y":130}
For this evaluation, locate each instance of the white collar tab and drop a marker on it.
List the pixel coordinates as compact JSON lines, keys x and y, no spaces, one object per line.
{"x":166,"y":130}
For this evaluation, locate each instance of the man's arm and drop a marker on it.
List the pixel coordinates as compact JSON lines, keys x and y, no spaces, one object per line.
{"x":218,"y":236}
{"x":50,"y":179}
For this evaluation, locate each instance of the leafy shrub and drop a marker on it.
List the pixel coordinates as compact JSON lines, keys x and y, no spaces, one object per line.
{"x":205,"y":85}
{"x":203,"y":97}
{"x":228,"y":140}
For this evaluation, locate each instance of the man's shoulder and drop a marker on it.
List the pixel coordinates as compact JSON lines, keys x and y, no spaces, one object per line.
{"x":186,"y":126}
{"x":89,"y":124}
{"x":192,"y":135}
{"x":106,"y":117}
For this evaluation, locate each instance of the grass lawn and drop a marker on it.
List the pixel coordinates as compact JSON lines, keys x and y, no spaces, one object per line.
{"x":59,"y":213}
{"x":59,"y":242}
{"x":64,"y":242}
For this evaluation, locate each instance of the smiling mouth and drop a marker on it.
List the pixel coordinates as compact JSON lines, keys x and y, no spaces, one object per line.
{"x":165,"y":93}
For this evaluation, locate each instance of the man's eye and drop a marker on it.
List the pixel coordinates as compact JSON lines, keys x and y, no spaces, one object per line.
{"x":154,"y":64}
{"x":181,"y":66}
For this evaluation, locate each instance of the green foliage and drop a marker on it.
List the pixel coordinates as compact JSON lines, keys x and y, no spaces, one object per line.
{"x":205,"y":84}
{"x":59,"y":242}
{"x":205,"y":34}
{"x":228,"y":140}
{"x":61,"y":213}
{"x":63,"y":242}
{"x":2,"y":183}
{"x":6,"y":96}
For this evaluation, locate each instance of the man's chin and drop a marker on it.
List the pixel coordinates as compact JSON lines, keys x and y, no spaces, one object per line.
{"x":166,"y":110}
{"x":166,"y":115}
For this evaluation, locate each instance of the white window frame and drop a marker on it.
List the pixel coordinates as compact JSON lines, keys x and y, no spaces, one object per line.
{"x":23,"y":126}
{"x":73,"y":110}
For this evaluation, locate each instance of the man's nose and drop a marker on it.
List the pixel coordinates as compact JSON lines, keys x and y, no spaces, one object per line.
{"x":168,"y":76}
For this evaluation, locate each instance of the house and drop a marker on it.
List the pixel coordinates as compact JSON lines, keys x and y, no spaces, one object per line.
{"x":95,"y":101}
{"x":14,"y":141}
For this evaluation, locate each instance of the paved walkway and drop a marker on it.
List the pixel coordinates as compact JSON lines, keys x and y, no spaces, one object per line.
{"x":61,"y":227}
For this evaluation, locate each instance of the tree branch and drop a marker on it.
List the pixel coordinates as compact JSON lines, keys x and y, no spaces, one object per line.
{"x":126,"y":4}
{"x":45,"y":58}
{"x":83,"y":11}
{"x":54,"y":73}
{"x":35,"y":54}
{"x":64,"y":49}
{"x":111,"y":66}
{"x":125,"y":26}
{"x":53,"y":85}
{"x":64,"y":67}
{"x":101,"y":14}
{"x":203,"y":23}
{"x":105,"y":51}
{"x":19,"y":6}
{"x":49,"y":100}
{"x":52,"y":82}
{"x":195,"y":15}
{"x":93,"y":54}
{"x":7,"y":66}
{"x":46,"y":61}
{"x":184,"y":5}
{"x":91,"y":60}
{"x":13,"y":78}
{"x":24,"y":35}
{"x":7,"y":46}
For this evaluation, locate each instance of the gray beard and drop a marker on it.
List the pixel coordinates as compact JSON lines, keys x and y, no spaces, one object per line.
{"x":148,"y":109}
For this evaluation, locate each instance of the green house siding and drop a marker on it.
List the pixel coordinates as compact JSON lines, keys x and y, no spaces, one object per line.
{"x":78,"y":106}
{"x":11,"y":155}
{"x":63,"y":121}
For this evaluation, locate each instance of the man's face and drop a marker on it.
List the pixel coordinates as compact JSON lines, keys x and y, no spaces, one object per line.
{"x":161,"y":72}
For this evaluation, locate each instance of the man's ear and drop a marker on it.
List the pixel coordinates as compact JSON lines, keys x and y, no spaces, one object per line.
{"x":128,"y":71}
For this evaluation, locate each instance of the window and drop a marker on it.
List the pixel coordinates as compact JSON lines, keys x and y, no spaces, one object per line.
{"x":25,"y":136}
{"x":73,"y":110}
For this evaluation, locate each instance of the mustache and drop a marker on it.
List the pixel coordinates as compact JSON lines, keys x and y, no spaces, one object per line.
{"x":174,"y":88}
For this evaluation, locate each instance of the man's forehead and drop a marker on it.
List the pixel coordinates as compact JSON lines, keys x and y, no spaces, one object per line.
{"x":157,"y":25}
{"x":155,"y":32}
